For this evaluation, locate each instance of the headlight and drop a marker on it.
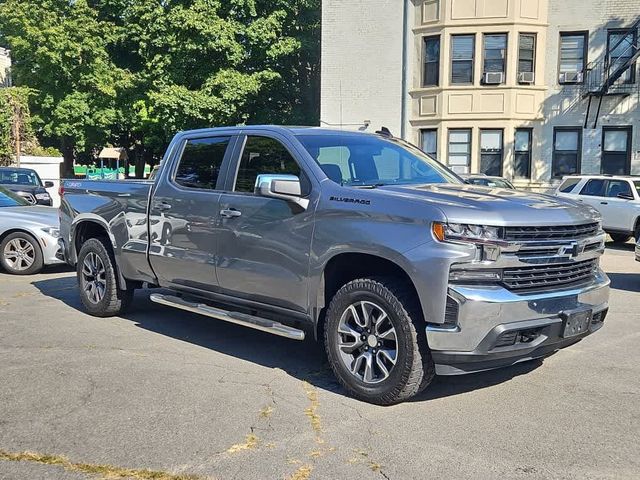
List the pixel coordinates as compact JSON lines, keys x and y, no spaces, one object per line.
{"x":43,"y":196}
{"x":466,"y":233}
{"x":53,"y":231}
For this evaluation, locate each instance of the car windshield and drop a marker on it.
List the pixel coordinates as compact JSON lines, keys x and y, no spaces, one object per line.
{"x":10,"y":176}
{"x":368,"y":160}
{"x":10,"y":199}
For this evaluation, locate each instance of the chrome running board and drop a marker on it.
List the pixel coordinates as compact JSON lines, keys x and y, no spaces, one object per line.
{"x":238,"y":318}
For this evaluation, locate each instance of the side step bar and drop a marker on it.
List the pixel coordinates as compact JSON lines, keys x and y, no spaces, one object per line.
{"x":243,"y":319}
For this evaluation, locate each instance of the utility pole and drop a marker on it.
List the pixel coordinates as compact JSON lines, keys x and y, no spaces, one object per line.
{"x":18,"y":127}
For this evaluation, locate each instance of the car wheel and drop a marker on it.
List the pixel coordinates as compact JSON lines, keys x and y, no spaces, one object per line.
{"x":99,"y":290}
{"x":21,"y":254}
{"x":373,"y":342}
{"x":620,"y":237}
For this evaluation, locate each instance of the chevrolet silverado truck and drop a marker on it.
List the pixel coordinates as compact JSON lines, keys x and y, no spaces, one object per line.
{"x":360,"y":240}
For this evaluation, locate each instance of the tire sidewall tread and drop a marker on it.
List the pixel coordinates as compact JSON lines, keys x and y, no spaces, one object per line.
{"x":38,"y":263}
{"x":414,"y":369}
{"x":115,"y":300}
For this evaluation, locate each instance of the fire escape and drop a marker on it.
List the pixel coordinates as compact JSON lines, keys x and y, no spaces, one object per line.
{"x":616,"y":74}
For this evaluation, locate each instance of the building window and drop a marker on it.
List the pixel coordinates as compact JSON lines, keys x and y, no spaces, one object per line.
{"x":462,"y":58}
{"x":616,"y":151}
{"x":430,"y":142}
{"x":491,"y":152}
{"x":460,"y":150}
{"x":526,"y":57}
{"x":431,"y":77}
{"x":573,"y":55}
{"x":495,"y":58}
{"x":619,"y":52}
{"x":567,"y":151}
{"x":522,"y":147}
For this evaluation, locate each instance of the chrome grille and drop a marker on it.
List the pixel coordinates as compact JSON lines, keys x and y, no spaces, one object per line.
{"x":549,"y":275}
{"x":559,"y":232}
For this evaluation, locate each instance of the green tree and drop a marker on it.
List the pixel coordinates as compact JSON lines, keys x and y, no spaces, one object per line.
{"x":133,"y":72}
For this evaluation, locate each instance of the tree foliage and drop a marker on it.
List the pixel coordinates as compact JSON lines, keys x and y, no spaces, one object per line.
{"x":133,"y":72}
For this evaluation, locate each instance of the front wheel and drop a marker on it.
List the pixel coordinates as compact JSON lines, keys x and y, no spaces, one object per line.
{"x":373,"y":343}
{"x":99,"y":290}
{"x":20,"y":254}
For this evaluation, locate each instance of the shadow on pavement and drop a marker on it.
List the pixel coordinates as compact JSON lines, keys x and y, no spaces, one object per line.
{"x":303,"y":360}
{"x":629,"y":282}
{"x":622,"y":247}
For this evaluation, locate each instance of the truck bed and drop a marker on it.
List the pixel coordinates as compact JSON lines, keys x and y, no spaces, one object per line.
{"x":121,"y":207}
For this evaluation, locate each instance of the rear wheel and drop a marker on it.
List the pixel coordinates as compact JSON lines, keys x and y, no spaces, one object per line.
{"x":373,"y":344}
{"x":620,"y":237}
{"x":20,"y":254}
{"x":99,"y":290}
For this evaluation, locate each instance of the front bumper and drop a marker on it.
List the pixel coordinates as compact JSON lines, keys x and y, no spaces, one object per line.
{"x":50,"y":249}
{"x":486,"y":315}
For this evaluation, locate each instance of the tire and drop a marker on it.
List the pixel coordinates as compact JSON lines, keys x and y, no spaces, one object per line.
{"x":620,"y":237}
{"x":97,"y":279}
{"x":20,"y":254}
{"x":412,"y":369}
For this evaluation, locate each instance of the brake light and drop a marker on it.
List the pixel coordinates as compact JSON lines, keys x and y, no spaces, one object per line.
{"x":61,"y":190}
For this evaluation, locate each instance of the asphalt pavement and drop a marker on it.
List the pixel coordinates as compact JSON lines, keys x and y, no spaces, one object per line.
{"x":191,"y":397}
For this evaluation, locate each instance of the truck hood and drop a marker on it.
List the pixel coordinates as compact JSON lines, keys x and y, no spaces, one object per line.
{"x":33,"y":214}
{"x":495,"y":206}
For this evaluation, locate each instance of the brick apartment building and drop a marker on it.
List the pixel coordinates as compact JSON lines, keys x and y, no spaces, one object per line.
{"x":528,"y":89}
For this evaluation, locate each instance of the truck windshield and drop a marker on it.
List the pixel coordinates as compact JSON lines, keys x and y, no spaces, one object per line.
{"x":10,"y":199}
{"x":11,"y":176}
{"x":369,"y":160}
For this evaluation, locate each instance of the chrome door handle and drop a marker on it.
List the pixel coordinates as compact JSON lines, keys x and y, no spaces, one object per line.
{"x":162,"y":206}
{"x":230,"y":213}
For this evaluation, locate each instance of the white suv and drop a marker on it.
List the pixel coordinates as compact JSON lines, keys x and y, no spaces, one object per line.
{"x":617,"y":198}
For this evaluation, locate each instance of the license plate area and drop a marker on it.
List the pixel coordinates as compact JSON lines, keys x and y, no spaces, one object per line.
{"x":576,"y":322}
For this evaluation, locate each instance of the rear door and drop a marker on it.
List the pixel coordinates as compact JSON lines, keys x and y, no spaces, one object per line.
{"x":264,"y":243}
{"x":618,"y":213}
{"x":183,"y":210}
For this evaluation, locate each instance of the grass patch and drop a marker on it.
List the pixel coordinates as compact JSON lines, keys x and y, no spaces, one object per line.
{"x":107,"y":472}
{"x":302,"y":473}
{"x":250,"y":443}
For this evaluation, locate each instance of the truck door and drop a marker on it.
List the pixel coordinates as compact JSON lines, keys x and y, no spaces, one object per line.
{"x":183,"y":210}
{"x":264,"y":243}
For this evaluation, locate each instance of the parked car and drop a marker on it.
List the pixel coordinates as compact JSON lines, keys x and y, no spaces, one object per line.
{"x":28,"y":235}
{"x":27,"y":184}
{"x":488,"y":181}
{"x":615,"y":197}
{"x":360,"y":240}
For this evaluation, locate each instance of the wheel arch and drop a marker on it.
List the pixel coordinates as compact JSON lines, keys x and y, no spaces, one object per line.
{"x":347,"y":266}
{"x":85,"y":228}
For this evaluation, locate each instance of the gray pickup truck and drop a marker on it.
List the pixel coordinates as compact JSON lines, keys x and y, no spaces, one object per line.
{"x":359,"y":240}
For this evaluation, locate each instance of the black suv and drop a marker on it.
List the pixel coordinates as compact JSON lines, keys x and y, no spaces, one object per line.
{"x":26,"y":183}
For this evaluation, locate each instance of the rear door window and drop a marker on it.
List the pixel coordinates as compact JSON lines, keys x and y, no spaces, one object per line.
{"x":617,"y":187}
{"x":569,"y":184}
{"x":593,"y":188}
{"x":201,"y":161}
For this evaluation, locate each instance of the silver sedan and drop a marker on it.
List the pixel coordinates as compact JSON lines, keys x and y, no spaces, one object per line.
{"x":28,"y":235}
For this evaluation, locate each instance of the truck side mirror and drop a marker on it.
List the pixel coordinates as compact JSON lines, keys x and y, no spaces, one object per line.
{"x":282,"y":187}
{"x":48,"y":184}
